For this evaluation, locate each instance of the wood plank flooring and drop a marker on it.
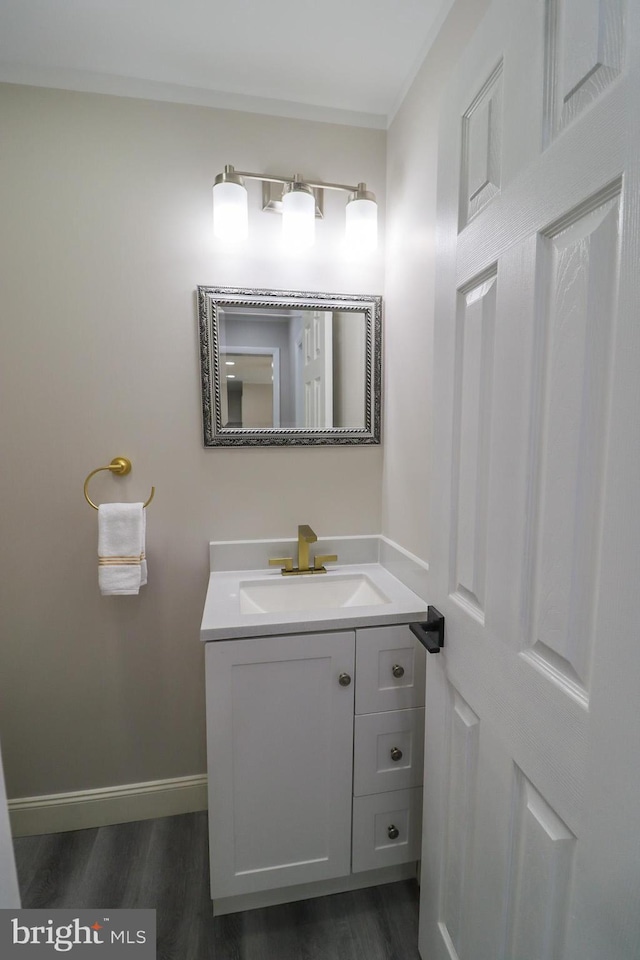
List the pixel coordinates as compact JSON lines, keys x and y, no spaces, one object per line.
{"x":163,"y":864}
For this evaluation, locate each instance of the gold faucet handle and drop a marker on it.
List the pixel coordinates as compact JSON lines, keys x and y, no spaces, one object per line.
{"x":306,"y":533}
{"x":319,"y":562}
{"x":285,"y":562}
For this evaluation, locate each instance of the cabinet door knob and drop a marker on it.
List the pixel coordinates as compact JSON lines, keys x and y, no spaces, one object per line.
{"x":397,"y":670}
{"x":396,"y":753}
{"x":393,"y":832}
{"x":344,"y":679}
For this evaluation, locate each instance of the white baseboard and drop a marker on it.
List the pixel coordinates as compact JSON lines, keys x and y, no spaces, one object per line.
{"x":59,"y":812}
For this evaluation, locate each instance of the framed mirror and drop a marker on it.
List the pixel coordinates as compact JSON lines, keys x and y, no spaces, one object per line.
{"x":281,"y":367}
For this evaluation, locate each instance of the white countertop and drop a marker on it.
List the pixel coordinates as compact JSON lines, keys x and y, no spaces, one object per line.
{"x":222,"y":618}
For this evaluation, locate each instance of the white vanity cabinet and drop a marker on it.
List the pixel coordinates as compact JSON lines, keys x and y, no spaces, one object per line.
{"x":279,"y":741}
{"x":282,"y":714}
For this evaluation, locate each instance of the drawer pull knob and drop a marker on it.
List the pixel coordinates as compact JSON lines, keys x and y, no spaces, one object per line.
{"x":344,"y":679}
{"x":396,"y":753}
{"x":397,"y":670}
{"x":393,"y":832}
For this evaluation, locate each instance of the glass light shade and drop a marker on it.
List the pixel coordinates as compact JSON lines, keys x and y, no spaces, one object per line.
{"x":362,"y":225}
{"x":298,"y":218}
{"x":230,"y":211}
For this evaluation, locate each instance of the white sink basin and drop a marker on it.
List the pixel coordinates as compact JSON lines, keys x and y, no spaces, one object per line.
{"x":309,"y":592}
{"x":261,"y":603}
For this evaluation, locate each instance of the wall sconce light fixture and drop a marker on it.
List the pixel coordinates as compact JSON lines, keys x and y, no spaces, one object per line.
{"x":300,"y":205}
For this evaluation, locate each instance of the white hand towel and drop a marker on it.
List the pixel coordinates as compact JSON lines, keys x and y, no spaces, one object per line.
{"x":143,"y":555}
{"x":121,"y":528}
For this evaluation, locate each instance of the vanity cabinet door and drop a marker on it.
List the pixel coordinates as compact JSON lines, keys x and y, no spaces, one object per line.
{"x":279,"y":743}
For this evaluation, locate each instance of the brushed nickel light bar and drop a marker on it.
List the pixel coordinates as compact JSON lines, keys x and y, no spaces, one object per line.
{"x":299,"y":199}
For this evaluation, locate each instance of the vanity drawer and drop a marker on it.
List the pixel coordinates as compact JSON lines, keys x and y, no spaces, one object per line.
{"x":388,"y":751}
{"x":390,"y":669}
{"x":386,"y":829}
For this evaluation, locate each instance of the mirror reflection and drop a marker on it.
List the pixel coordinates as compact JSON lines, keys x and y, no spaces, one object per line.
{"x":292,"y":368}
{"x":279,"y":367}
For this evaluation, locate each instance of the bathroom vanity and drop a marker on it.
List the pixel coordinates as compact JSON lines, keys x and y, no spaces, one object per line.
{"x":315,"y":719}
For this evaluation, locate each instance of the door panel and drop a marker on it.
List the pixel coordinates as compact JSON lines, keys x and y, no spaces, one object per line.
{"x":471,"y":428}
{"x":463,"y":743}
{"x":539,"y":875}
{"x":584,"y":55}
{"x":482,"y":148}
{"x":578,"y":267}
{"x":531,"y":844}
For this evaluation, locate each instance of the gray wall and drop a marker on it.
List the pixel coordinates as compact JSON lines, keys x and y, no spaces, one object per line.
{"x":349,"y":362}
{"x":412,"y":161}
{"x":105,"y":232}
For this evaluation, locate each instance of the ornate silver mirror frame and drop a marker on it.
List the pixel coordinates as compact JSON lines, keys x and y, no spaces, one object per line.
{"x":217,"y":303}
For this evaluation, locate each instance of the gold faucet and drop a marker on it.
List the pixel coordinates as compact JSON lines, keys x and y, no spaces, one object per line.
{"x":305,"y":537}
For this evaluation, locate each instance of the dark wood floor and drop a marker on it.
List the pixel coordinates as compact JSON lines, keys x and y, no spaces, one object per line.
{"x":163,"y":864}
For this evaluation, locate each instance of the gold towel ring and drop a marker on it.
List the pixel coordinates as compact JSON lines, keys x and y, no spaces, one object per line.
{"x":120,"y":466}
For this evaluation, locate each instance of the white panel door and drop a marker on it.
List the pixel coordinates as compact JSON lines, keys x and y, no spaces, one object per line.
{"x":318,"y":369}
{"x":531,"y":846}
